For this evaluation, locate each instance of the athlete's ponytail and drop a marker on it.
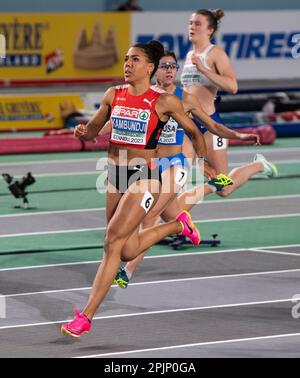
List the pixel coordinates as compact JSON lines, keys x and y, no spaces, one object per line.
{"x":213,"y":17}
{"x":154,"y":51}
{"x":218,"y":14}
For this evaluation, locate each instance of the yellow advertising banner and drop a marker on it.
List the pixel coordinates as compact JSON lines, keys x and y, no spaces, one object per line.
{"x":63,"y":47}
{"x":30,"y":112}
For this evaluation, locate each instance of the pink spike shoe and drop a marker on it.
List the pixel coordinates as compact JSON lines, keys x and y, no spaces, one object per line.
{"x":189,"y":229}
{"x":78,"y":326}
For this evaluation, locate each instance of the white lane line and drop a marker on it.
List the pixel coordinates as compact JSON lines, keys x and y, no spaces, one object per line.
{"x":274,"y":252}
{"x":149,"y":257}
{"x":172,"y":347}
{"x":53,"y":212}
{"x":233,"y":305}
{"x":286,"y":161}
{"x":248,"y":218}
{"x":52,"y":232}
{"x":274,"y":161}
{"x":195,"y":221}
{"x":280,"y":246}
{"x":98,"y":171}
{"x":146,"y":257}
{"x":51,"y":265}
{"x":225,"y":276}
{"x":205,"y":203}
{"x":95,"y":159}
{"x":266,"y":150}
{"x":63,"y":174}
{"x":249,"y":199}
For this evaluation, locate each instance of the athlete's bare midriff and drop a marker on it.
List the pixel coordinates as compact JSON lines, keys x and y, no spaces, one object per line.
{"x":164,"y":151}
{"x":206,"y":96}
{"x":123,"y":155}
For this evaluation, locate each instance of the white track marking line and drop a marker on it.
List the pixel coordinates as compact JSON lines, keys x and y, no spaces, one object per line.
{"x":50,"y":265}
{"x":243,"y":304}
{"x":149,"y":257}
{"x":97,"y":172}
{"x":279,"y":246}
{"x":52,"y":232}
{"x":54,"y":212}
{"x":248,"y":218}
{"x":286,"y":161}
{"x":266,"y":150}
{"x":195,"y":221}
{"x":172,"y":347}
{"x":62,"y":174}
{"x":274,"y":161}
{"x":249,"y":199}
{"x":275,"y":252}
{"x":96,"y":158}
{"x":205,"y":203}
{"x":225,"y":276}
{"x":146,"y":257}
{"x":59,"y":161}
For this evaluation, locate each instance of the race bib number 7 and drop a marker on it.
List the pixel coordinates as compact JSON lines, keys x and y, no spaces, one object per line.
{"x":181,"y":177}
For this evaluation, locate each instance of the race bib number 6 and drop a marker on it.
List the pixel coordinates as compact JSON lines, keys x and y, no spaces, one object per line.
{"x":147,"y":201}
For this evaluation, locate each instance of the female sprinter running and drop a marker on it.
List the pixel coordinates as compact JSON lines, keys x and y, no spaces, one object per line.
{"x":206,"y":70}
{"x":138,"y":112}
{"x":173,"y":163}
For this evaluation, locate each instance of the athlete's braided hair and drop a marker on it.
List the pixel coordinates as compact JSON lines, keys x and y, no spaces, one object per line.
{"x":154,"y":51}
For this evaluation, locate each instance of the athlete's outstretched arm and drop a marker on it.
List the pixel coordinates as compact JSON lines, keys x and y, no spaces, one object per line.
{"x":94,"y":126}
{"x":171,"y":106}
{"x":192,"y":104}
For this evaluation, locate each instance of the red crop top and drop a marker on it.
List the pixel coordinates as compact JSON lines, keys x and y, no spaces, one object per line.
{"x":134,"y":120}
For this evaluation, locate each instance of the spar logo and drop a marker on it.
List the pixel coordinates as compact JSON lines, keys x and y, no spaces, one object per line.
{"x":132,"y":113}
{"x":125,"y":112}
{"x":144,"y":115}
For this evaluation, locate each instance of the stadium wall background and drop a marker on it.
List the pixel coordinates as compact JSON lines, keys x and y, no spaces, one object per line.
{"x":147,"y":5}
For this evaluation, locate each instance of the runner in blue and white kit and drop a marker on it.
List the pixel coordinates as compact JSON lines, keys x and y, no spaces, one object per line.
{"x":207,"y":70}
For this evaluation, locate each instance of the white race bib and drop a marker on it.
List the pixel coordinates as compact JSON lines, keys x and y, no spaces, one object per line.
{"x":181,"y":177}
{"x":219,"y":143}
{"x":147,"y":201}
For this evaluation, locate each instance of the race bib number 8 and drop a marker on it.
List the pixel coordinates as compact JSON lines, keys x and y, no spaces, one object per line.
{"x":147,"y":201}
{"x":219,"y":143}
